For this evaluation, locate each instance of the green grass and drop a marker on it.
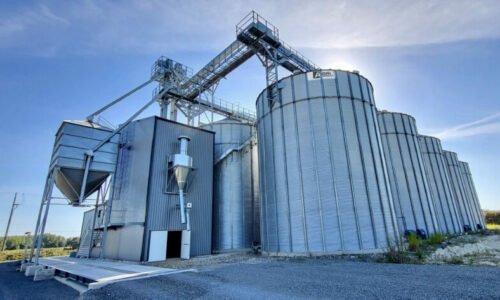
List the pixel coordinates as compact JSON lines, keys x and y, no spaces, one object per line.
{"x":395,"y":255}
{"x":18,"y":254}
{"x":414,"y":242}
{"x":436,"y":239}
{"x":491,"y":226}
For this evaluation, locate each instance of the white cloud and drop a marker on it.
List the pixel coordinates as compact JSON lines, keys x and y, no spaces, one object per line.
{"x":487,"y":125}
{"x":134,"y":26}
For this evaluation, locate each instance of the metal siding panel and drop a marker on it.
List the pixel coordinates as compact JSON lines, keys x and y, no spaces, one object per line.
{"x":163,"y":213}
{"x":329,"y":87}
{"x":286,"y":91}
{"x":364,"y":90}
{"x":346,"y":198}
{"x":264,"y":236}
{"x":475,"y":197}
{"x":308,"y":177}
{"x":326,"y":183}
{"x":471,"y":195}
{"x":456,"y":184}
{"x":355,"y":89}
{"x":132,"y":173}
{"x":361,"y":213}
{"x":272,"y":222}
{"x":384,"y":226}
{"x":281,"y":182}
{"x":375,"y":228}
{"x":299,"y":88}
{"x":343,"y":84}
{"x":295,"y":193}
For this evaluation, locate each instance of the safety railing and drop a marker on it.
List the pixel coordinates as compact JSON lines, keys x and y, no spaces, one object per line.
{"x":254,"y":17}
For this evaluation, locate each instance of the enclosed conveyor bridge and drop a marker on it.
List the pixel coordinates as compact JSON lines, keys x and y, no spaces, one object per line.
{"x":255,"y":36}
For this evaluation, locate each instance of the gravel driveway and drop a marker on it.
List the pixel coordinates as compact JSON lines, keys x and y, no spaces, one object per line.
{"x":314,"y":278}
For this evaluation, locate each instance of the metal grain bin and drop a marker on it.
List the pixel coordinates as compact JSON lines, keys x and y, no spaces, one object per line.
{"x":458,"y":187}
{"x":410,"y":189}
{"x":439,"y":184}
{"x":472,"y":195}
{"x":323,"y":180}
{"x":236,"y":202}
{"x":73,"y":140}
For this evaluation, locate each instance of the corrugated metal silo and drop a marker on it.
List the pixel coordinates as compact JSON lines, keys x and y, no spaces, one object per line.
{"x":439,"y":184}
{"x":472,"y":195}
{"x":236,"y":202}
{"x":409,"y":185}
{"x":458,"y":187}
{"x":323,"y":180}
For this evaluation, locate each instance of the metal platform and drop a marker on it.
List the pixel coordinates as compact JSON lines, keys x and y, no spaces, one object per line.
{"x":96,"y":273}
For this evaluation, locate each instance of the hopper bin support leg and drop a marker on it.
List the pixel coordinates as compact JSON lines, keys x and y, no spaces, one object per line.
{"x":108,"y":206}
{"x":88,"y":159}
{"x":40,"y":212}
{"x":93,"y":223}
{"x":48,"y":198}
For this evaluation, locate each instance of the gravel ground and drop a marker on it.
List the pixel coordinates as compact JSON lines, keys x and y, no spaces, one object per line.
{"x":14,"y":285}
{"x":316,"y":278}
{"x":470,"y":249}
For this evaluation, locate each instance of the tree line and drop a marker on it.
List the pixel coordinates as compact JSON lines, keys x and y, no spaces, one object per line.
{"x":50,"y":240}
{"x":492,"y":216}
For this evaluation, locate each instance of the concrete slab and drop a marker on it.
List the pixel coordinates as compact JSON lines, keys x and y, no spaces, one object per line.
{"x":31,"y":270}
{"x":44,"y":274}
{"x":23,"y":266}
{"x":100,"y":272}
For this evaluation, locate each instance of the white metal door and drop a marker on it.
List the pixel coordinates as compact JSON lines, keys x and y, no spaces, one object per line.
{"x":158,"y":245}
{"x":186,"y":244}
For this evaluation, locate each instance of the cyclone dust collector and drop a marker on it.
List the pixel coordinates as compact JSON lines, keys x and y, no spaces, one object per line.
{"x":182,"y":165}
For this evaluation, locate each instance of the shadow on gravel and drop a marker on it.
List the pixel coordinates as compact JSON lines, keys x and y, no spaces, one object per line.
{"x":14,"y":285}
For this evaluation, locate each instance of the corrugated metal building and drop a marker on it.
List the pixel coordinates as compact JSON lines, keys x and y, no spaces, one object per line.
{"x":323,"y":180}
{"x":145,"y":215}
{"x":439,"y":184}
{"x":410,"y":189}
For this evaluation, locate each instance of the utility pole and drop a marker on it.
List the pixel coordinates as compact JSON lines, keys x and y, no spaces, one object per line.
{"x":14,"y":205}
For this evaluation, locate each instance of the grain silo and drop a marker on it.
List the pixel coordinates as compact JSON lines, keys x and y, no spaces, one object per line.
{"x":410,"y":189}
{"x":439,"y":184}
{"x":236,"y":202}
{"x":323,"y":180}
{"x":458,"y":187}
{"x":472,"y":195}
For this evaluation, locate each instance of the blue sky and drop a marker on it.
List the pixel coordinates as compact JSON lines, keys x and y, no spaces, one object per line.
{"x":436,"y":60}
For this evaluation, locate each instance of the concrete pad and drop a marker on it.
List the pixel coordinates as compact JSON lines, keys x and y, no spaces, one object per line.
{"x":24,"y":266}
{"x":31,"y":270}
{"x":44,"y":274}
{"x":102,"y":271}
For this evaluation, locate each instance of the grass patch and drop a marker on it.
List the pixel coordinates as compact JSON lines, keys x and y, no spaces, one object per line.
{"x":45,"y":252}
{"x":491,"y":226}
{"x":395,"y":256}
{"x":414,"y":242}
{"x":436,"y":239}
